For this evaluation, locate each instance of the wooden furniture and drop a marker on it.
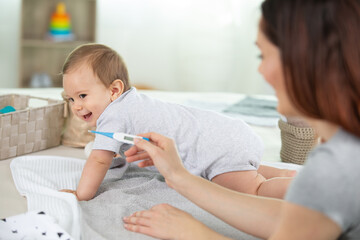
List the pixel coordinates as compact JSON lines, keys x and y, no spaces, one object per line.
{"x":40,"y":55}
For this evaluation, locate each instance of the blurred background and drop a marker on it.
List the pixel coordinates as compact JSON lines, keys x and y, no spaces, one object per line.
{"x":187,"y":45}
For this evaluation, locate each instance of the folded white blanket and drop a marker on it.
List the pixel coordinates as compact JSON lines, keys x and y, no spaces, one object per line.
{"x":39,"y":178}
{"x":124,"y":190}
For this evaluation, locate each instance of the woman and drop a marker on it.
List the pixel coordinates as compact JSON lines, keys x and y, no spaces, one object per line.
{"x":311,"y":57}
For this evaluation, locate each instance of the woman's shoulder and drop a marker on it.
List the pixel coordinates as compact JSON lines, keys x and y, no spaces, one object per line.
{"x":345,"y":140}
{"x":342,"y":149}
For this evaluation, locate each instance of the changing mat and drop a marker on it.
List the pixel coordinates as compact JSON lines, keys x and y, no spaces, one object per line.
{"x":125,"y":189}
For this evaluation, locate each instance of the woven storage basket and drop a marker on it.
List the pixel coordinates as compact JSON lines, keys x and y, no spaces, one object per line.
{"x":296,"y":142}
{"x":29,"y":129}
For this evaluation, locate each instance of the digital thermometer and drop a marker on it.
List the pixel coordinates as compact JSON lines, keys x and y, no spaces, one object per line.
{"x":121,"y":137}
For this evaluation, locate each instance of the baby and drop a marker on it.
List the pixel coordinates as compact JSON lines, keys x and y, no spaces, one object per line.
{"x":213,"y":146}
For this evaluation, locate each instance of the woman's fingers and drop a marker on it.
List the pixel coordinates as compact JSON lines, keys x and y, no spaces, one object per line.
{"x":165,"y":222}
{"x":139,"y":222}
{"x":144,"y":213}
{"x":138,"y":156}
{"x":156,"y":138}
{"x":139,"y":218}
{"x":146,"y":163}
{"x":162,"y":207}
{"x":150,"y":148}
{"x":131,"y":151}
{"x":156,"y":141}
{"x":143,"y":222}
{"x":139,"y":229}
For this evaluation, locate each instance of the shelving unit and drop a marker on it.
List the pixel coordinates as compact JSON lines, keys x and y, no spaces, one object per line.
{"x":38,"y":54}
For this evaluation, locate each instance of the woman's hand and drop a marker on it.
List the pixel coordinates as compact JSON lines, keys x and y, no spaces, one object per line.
{"x":167,"y":222}
{"x":161,"y":152}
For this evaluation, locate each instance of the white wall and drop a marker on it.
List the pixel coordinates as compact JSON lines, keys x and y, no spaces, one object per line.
{"x":9,"y":42}
{"x":187,"y":45}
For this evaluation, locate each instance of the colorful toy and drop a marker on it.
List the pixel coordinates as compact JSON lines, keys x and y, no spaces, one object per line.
{"x":7,"y":109}
{"x":60,"y":25}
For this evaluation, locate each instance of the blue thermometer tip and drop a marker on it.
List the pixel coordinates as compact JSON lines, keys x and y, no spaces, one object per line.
{"x":108,"y":134}
{"x":146,"y":139}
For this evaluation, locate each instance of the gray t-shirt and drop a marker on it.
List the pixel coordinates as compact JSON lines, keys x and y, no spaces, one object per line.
{"x":329,"y":183}
{"x":209,"y":143}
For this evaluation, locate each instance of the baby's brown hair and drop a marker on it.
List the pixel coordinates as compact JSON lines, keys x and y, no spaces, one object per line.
{"x":106,"y":63}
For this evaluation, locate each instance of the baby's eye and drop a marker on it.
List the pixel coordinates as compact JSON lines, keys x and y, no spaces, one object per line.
{"x":71,"y":99}
{"x":82,"y":95}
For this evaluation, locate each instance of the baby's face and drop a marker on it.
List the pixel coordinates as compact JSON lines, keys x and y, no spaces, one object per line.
{"x":87,"y":94}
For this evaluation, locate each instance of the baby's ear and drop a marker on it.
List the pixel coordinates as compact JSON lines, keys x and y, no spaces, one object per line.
{"x":116,"y":88}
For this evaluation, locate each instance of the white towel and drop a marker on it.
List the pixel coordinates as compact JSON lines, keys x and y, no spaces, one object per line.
{"x":39,"y":178}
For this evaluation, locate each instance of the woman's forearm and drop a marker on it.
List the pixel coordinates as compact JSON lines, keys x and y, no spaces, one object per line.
{"x":255,"y":215}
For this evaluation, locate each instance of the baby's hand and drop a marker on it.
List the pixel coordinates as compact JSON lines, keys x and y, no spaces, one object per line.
{"x":70,"y":191}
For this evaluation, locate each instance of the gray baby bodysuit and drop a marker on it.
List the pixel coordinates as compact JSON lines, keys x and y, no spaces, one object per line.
{"x":209,"y":143}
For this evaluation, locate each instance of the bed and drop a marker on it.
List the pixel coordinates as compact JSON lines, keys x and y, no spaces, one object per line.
{"x":139,"y":189}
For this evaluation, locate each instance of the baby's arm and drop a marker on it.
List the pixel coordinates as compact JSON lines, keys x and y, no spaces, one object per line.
{"x":93,"y":174}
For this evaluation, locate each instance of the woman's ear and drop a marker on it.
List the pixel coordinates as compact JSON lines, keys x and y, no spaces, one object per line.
{"x":116,"y":89}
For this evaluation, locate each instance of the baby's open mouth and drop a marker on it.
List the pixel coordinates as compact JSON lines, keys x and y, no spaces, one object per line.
{"x":87,"y":116}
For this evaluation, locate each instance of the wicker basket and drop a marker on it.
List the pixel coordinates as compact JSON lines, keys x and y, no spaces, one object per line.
{"x":296,"y":142}
{"x":29,"y":129}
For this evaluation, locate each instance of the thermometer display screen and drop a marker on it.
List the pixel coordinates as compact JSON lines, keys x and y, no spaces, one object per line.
{"x":128,"y":138}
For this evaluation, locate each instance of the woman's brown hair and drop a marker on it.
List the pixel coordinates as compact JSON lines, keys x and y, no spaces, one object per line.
{"x":319,"y":41}
{"x":106,"y":63}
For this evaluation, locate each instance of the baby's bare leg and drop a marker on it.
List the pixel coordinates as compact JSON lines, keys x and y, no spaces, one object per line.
{"x":274,"y":187}
{"x":271,"y":172}
{"x":241,"y":181}
{"x":252,"y":182}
